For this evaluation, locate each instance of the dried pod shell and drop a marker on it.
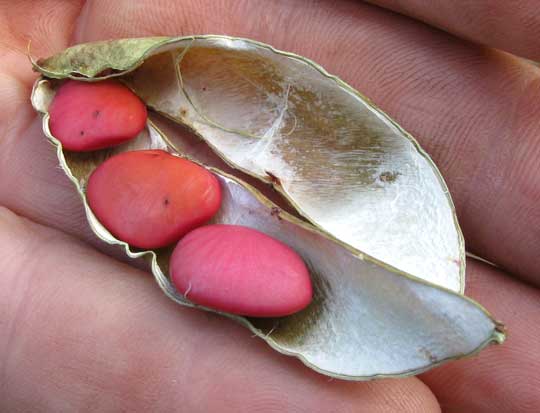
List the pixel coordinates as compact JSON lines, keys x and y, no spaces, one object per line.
{"x":367,"y":319}
{"x":343,"y":163}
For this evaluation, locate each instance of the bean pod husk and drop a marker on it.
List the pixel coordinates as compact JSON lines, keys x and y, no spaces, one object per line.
{"x":378,"y":229}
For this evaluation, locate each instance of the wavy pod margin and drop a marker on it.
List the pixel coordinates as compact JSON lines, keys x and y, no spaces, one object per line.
{"x":367,"y":320}
{"x":341,"y":161}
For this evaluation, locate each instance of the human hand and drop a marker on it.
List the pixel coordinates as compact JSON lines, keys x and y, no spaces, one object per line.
{"x":81,"y":331}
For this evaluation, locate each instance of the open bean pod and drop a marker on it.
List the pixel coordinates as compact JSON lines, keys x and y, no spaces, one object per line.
{"x":380,"y":235}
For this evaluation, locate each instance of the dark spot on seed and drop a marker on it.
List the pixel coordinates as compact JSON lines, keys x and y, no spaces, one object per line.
{"x":204,"y":88}
{"x":81,"y":133}
{"x":389,"y":176}
{"x":166,"y":202}
{"x":96,"y":114}
{"x":183,"y":112}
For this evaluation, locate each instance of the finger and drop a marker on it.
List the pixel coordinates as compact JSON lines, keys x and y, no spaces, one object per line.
{"x":25,"y":24}
{"x":483,"y":137}
{"x":30,"y":25}
{"x":503,"y":378}
{"x":508,"y":25}
{"x":82,"y":332}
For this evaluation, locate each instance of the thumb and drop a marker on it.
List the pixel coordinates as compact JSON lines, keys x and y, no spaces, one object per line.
{"x":82,"y":332}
